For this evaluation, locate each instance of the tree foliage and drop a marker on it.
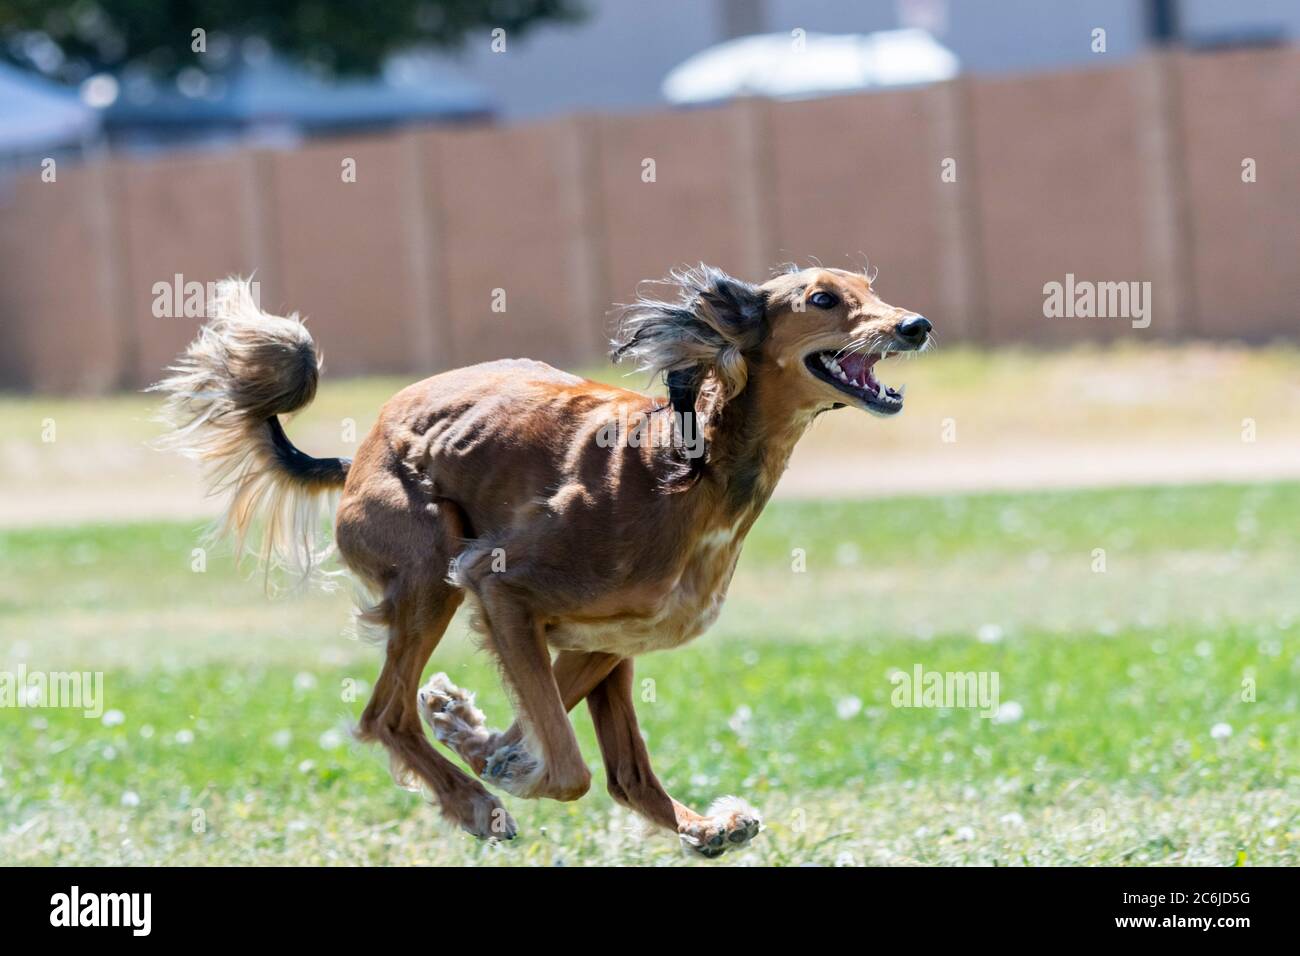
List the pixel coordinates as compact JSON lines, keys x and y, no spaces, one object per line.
{"x":72,"y":39}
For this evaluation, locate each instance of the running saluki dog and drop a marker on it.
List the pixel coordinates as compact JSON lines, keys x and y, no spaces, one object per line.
{"x":580,"y":518}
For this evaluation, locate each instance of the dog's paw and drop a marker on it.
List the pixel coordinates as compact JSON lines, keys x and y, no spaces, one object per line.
{"x":513,"y":768}
{"x":485,"y":817}
{"x":451,"y":715}
{"x":729,"y":824}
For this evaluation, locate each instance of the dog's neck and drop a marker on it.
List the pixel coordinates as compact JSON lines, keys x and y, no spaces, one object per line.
{"x":749,"y":441}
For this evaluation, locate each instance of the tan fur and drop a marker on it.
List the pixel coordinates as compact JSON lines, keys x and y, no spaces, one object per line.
{"x":491,"y":482}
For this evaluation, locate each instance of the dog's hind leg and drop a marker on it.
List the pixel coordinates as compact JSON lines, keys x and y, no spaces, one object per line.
{"x":729,"y":824}
{"x":451,"y":714}
{"x":416,"y":622}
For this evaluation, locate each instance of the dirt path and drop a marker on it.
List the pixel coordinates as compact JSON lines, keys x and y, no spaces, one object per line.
{"x":1040,"y":467}
{"x":137,"y":495}
{"x":973,"y":422}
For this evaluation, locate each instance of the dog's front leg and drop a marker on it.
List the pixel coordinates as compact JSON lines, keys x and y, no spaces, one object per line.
{"x":730,"y":823}
{"x":546,"y":762}
{"x":458,"y":723}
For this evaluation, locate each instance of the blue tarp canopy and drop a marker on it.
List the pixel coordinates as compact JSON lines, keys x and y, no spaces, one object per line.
{"x":37,"y":114}
{"x":276,"y":92}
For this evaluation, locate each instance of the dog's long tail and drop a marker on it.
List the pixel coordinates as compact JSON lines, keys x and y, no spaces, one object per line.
{"x":224,"y":399}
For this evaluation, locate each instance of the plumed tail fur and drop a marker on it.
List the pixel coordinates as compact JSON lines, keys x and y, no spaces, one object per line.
{"x":224,"y":397}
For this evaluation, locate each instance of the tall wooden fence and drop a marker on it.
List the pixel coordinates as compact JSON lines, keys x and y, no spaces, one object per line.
{"x":454,"y":246}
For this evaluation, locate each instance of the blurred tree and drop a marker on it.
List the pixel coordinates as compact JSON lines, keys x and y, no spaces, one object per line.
{"x":72,"y":39}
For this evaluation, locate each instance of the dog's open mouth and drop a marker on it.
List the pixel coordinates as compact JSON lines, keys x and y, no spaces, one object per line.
{"x":854,"y":374}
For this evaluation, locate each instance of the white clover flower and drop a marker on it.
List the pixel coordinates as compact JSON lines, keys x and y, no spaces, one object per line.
{"x":848,"y":707}
{"x":1008,"y":713}
{"x":740,"y":719}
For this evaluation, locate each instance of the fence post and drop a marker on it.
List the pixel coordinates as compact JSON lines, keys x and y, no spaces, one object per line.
{"x":589,"y":303}
{"x":1165,"y":220}
{"x":257,"y":196}
{"x":754,"y":199}
{"x":961,"y":256}
{"x":419,"y":211}
{"x":112,"y":266}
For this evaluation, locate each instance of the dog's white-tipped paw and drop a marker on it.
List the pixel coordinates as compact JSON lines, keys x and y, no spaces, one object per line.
{"x":450,"y":713}
{"x":729,"y":824}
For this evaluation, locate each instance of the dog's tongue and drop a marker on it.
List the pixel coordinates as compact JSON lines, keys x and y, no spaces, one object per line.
{"x":858,"y":368}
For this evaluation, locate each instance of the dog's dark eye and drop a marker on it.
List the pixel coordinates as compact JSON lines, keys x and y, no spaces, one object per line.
{"x":823,"y":300}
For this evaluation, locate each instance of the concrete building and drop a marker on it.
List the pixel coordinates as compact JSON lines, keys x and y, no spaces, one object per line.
{"x":617,"y":58}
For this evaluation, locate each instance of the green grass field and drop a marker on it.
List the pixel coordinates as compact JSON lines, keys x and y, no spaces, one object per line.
{"x":1149,"y":710}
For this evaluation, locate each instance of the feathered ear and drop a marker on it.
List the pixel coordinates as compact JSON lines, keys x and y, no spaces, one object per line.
{"x":707,"y":331}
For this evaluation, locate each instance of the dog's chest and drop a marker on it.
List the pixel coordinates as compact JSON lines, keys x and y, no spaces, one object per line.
{"x":678,"y":609}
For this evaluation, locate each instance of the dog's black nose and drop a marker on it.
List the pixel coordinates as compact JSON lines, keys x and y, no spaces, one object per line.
{"x":914,"y":329}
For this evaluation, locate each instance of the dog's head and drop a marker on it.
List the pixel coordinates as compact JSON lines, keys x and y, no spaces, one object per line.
{"x":816,"y":334}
